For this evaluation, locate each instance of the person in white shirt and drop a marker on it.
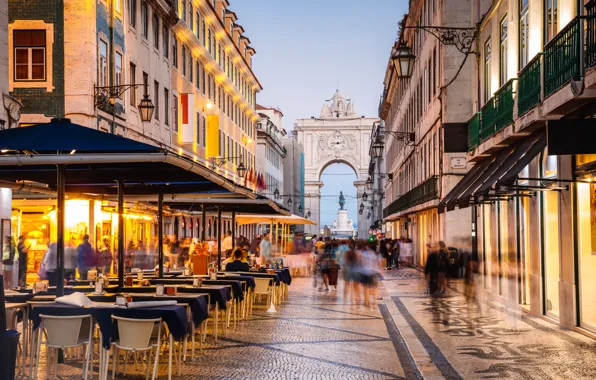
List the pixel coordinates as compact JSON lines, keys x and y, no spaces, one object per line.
{"x":265,"y":249}
{"x":228,"y":243}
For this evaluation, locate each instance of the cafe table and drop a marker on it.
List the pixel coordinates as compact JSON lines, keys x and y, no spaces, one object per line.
{"x":22,"y":306}
{"x":175,"y":317}
{"x":219,"y":295}
{"x":198,"y":306}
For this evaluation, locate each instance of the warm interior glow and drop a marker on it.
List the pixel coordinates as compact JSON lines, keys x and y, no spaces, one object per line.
{"x":209,"y":105}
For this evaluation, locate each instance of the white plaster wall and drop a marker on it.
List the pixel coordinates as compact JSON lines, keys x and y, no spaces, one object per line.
{"x":5,"y":203}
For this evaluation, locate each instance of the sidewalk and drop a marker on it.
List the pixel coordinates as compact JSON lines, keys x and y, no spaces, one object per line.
{"x":464,"y":342}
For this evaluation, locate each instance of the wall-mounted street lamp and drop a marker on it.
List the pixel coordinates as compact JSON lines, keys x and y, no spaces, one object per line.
{"x":276,"y":193}
{"x":369,"y":183}
{"x":105,"y":97}
{"x":221,"y":161}
{"x":361,"y":210}
{"x":377,"y":149}
{"x":403,"y":61}
{"x":364,"y":196}
{"x":308,"y":214}
{"x":290,"y":202}
{"x":300,"y":208}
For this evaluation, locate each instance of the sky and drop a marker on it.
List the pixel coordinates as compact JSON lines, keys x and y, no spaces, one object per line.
{"x":308,"y":48}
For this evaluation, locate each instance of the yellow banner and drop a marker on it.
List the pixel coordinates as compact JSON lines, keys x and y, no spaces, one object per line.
{"x":212,"y":143}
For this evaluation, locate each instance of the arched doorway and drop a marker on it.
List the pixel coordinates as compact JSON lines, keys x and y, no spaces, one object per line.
{"x":339,"y":178}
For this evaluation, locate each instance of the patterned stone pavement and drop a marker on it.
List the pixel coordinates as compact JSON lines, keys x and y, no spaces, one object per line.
{"x":481,"y":342}
{"x":314,"y":335}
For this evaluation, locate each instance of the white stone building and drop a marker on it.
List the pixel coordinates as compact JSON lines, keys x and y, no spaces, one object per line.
{"x":338,"y":135}
{"x":271,"y":152}
{"x":433,"y":104}
{"x":293,"y":182}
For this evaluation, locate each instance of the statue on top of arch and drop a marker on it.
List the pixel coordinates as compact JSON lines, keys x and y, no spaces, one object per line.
{"x":340,"y":107}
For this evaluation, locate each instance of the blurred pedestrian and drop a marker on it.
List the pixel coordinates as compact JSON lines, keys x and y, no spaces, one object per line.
{"x":85,"y":256}
{"x":265,"y":250}
{"x":395,"y":253}
{"x":9,"y":257}
{"x":431,"y":269}
{"x":22,"y":250}
{"x":444,"y":265}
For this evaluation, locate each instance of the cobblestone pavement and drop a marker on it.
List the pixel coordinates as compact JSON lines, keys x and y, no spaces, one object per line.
{"x":481,"y":341}
{"x":314,"y":335}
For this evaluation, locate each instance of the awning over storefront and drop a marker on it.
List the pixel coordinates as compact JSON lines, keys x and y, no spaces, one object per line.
{"x":488,"y":176}
{"x":63,"y":157}
{"x":255,"y":219}
{"x":193,"y":203}
{"x":94,"y":160}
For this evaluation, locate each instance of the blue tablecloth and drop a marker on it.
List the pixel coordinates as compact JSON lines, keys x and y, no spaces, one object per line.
{"x":250,"y":280}
{"x":284,"y":275}
{"x":274,"y":277}
{"x":174,"y":316}
{"x":198,"y":305}
{"x":219,"y":295}
{"x":237,"y":291}
{"x":171,"y":281}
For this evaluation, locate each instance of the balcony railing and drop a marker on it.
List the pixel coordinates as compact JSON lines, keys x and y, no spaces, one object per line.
{"x":503,"y":103}
{"x":562,"y":57}
{"x":426,"y":191}
{"x":474,"y":131}
{"x":528,"y":86}
{"x":590,"y":34}
{"x":487,"y":127}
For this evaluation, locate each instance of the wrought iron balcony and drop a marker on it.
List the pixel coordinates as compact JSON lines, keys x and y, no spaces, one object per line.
{"x":529,"y":86}
{"x":562,"y":57}
{"x":487,"y":126}
{"x":474,"y":131}
{"x":426,"y":191}
{"x":503,"y":102}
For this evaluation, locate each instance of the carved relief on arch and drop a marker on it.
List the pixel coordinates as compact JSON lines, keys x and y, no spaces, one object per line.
{"x":337,"y":144}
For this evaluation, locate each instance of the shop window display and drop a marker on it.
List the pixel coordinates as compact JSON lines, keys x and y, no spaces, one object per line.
{"x":550,"y":230}
{"x":586,"y":198}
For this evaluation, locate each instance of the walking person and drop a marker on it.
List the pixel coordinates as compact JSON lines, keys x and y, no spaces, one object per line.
{"x":265,"y":250}
{"x":349,"y":264}
{"x":431,"y":269}
{"x":48,"y":267}
{"x":86,"y":259}
{"x":22,"y":250}
{"x":443,"y":267}
{"x":395,"y":252}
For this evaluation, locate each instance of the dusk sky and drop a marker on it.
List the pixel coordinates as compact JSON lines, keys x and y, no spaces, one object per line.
{"x":305,"y":49}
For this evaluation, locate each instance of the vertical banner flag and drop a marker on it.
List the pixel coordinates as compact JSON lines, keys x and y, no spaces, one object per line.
{"x":212,"y":148}
{"x":187,"y":133}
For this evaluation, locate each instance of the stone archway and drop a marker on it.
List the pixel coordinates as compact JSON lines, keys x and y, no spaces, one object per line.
{"x":339,"y":135}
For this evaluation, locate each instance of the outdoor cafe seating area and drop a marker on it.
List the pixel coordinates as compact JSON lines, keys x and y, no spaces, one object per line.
{"x":165,"y":323}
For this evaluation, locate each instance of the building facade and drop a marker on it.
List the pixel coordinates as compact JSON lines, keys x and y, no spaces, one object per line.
{"x":271,"y":153}
{"x":530,"y":189}
{"x":5,"y":194}
{"x":66,"y":58}
{"x":429,"y":109}
{"x":294,"y":175}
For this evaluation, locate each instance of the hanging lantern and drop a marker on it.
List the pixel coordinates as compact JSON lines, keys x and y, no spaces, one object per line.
{"x":403,"y":61}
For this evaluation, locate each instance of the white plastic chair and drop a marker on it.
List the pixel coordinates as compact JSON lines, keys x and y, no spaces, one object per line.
{"x":136,"y":335}
{"x":262,"y":288}
{"x":61,"y":333}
